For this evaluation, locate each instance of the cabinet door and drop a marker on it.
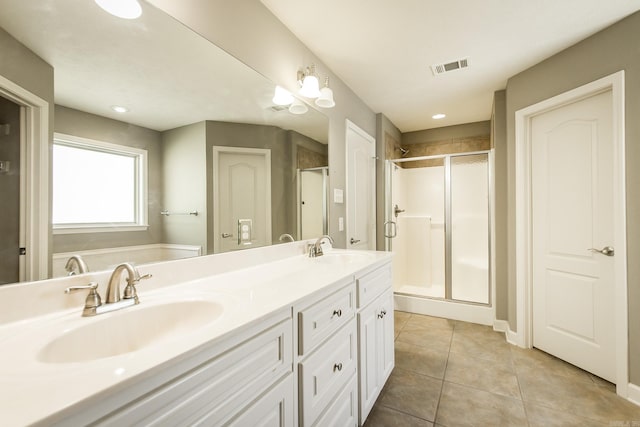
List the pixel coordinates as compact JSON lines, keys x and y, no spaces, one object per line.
{"x":386,"y":336}
{"x":274,"y":409}
{"x":368,"y":368}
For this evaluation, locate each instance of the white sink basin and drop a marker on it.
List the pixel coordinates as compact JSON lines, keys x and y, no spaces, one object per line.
{"x":128,"y":330}
{"x":344,"y":257}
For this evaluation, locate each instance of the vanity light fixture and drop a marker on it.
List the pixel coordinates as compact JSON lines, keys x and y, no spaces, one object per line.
{"x":438,"y":116}
{"x":298,"y":107}
{"x":325,"y":100}
{"x":308,"y":80}
{"x":119,"y":109}
{"x":282,"y":96}
{"x":126,"y":9}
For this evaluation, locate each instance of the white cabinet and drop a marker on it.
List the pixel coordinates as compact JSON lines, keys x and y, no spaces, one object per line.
{"x":224,"y":386}
{"x":328,"y":359}
{"x":375,"y":336}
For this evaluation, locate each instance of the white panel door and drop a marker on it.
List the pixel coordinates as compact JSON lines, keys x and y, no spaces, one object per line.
{"x":242,"y":198}
{"x":574,"y":287}
{"x":361,"y":173}
{"x":312,"y":196}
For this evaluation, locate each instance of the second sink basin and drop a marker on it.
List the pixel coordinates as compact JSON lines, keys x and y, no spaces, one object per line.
{"x":129,"y":330}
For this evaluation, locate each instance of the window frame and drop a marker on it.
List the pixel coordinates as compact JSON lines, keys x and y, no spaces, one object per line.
{"x":141,"y":185}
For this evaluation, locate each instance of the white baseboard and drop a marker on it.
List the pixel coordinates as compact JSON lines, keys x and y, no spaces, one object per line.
{"x":633,"y":394}
{"x":500,"y":325}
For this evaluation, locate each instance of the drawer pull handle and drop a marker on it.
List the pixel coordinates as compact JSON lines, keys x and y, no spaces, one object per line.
{"x":382,"y":314}
{"x":337,"y":367}
{"x":337,"y":312}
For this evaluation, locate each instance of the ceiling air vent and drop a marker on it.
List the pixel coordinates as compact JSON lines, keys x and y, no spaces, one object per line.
{"x":450,"y":66}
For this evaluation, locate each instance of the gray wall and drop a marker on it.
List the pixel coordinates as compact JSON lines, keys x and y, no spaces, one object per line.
{"x":249,"y":31}
{"x":613,"y":49}
{"x":499,"y":143}
{"x":184,"y":185}
{"x":383,"y":126}
{"x":446,"y":132}
{"x":86,"y":125}
{"x":10,"y":191}
{"x":29,"y":71}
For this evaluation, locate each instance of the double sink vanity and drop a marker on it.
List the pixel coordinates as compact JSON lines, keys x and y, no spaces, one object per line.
{"x":269,"y":336}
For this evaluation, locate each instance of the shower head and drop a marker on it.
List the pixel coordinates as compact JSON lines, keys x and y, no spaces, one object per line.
{"x":404,"y":151}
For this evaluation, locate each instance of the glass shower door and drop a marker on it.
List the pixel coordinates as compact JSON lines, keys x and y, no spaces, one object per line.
{"x":468,"y":235}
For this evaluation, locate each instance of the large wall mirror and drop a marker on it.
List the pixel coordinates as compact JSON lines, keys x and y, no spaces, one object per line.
{"x":201,"y":162}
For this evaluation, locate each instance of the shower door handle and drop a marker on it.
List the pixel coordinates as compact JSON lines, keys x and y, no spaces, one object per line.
{"x":394,"y":228}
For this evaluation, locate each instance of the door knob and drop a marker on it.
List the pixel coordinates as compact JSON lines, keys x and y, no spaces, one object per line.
{"x":225,"y":235}
{"x":397,"y":210}
{"x":354,"y":241}
{"x":607,"y":250}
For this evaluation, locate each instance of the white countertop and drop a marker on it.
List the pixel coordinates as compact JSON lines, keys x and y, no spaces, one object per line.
{"x":32,"y":390}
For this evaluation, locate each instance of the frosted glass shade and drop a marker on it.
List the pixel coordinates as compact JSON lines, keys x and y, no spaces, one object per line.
{"x":310,"y":87}
{"x":127,"y":9}
{"x":325,"y":100}
{"x":298,"y":107}
{"x":282,"y":96}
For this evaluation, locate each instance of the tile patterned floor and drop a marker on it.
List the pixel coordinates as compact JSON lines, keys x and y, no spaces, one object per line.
{"x":451,"y":373}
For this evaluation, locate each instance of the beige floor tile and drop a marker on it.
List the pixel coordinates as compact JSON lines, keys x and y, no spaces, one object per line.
{"x":434,"y":339}
{"x":417,"y":322}
{"x":540,"y":416}
{"x":382,"y":416}
{"x":482,"y":345}
{"x":489,"y":375}
{"x":412,"y":394}
{"x":534,"y":360}
{"x":466,"y":406}
{"x":421,"y":360}
{"x":575,"y":397}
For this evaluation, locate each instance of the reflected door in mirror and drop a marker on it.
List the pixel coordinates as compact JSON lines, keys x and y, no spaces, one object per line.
{"x":9,"y":191}
{"x":242,"y":198}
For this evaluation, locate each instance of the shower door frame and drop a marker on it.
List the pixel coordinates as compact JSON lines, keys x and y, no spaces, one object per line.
{"x":447,"y":221}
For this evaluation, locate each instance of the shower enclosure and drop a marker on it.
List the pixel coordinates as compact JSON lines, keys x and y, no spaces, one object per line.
{"x":438,"y":224}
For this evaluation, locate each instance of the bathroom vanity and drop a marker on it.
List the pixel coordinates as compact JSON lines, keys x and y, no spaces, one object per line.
{"x":261,"y":337}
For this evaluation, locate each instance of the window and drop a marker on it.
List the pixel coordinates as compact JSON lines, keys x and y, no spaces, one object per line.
{"x":98,"y":186}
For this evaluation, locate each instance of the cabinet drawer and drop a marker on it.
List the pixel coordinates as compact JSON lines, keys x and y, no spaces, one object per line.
{"x":217,"y":388}
{"x":325,"y":372}
{"x":373,"y":284}
{"x":319,"y":321}
{"x":343,"y":411}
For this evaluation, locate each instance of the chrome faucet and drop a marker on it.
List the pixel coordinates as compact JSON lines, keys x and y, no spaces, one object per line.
{"x":315,"y":250}
{"x":93,"y":304}
{"x":286,"y":237}
{"x":75,"y":262}
{"x":130,"y":292}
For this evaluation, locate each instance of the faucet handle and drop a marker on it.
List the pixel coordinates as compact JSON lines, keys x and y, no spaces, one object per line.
{"x":130,"y":290}
{"x":93,"y":300}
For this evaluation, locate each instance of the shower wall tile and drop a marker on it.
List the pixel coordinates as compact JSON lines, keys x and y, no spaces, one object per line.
{"x":445,"y":146}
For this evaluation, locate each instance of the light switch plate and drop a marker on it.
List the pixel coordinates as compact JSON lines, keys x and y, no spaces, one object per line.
{"x":4,"y":166}
{"x":338,"y":195}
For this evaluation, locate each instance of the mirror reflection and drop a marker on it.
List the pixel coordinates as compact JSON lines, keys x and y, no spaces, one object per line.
{"x":197,"y":157}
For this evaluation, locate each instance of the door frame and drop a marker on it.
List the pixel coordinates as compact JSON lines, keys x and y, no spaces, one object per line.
{"x":372,"y":178}
{"x":34,"y":180}
{"x":524,"y":218}
{"x":265,"y":153}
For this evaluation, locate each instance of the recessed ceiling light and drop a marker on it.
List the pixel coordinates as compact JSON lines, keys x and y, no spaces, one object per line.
{"x":127,"y":9}
{"x":438,"y":116}
{"x":119,"y":109}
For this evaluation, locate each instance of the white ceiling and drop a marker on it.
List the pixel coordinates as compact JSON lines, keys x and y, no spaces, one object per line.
{"x":383,"y":50}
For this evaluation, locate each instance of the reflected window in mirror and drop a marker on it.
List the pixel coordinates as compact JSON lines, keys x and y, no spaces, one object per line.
{"x":97,"y":186}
